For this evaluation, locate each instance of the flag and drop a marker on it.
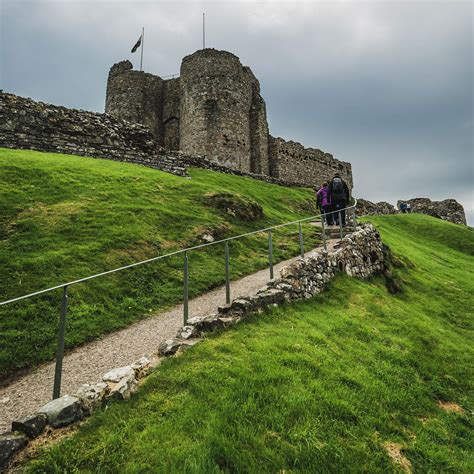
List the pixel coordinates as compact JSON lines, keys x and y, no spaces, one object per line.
{"x":137,"y":44}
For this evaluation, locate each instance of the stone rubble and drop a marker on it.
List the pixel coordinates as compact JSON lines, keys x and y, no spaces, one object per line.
{"x":124,"y":388}
{"x":115,"y":375}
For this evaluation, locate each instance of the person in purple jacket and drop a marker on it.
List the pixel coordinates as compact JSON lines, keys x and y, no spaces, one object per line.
{"x":324,"y":197}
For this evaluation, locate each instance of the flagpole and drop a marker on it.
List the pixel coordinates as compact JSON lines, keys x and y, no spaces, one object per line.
{"x":203,"y":30}
{"x":141,"y":50}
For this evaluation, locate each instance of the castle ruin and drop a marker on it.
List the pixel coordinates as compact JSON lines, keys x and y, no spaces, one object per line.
{"x":214,"y":109}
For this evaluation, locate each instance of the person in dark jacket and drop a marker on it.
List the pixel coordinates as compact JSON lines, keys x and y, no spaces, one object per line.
{"x":339,"y":193}
{"x":324,"y":198}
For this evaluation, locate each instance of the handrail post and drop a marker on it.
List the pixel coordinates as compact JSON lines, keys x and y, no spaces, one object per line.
{"x":340,"y":225}
{"x":227,"y":273}
{"x":270,"y":253}
{"x":354,"y":217}
{"x":323,"y":232}
{"x":300,"y":231}
{"x":186,"y":289}
{"x":60,"y":350}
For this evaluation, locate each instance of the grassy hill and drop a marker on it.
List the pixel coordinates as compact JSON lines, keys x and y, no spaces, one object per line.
{"x":353,"y":380}
{"x":64,"y":217}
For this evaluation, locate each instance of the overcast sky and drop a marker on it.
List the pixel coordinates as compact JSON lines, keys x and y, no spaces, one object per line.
{"x":385,"y":85}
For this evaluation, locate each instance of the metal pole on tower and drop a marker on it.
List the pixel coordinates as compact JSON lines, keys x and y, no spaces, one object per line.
{"x":203,"y":31}
{"x":141,"y":51}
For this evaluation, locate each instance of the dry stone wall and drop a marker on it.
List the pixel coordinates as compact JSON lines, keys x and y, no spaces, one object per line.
{"x":359,"y":254}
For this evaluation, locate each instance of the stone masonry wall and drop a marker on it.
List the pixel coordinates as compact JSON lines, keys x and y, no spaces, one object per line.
{"x":293,"y":162}
{"x":135,"y":96}
{"x":28,"y":124}
{"x":215,"y":110}
{"x":216,"y":96}
{"x":214,"y":113}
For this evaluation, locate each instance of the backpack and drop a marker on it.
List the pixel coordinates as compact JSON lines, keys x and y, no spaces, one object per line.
{"x":338,"y":187}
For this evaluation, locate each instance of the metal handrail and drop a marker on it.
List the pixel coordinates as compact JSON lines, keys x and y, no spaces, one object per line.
{"x":64,"y":302}
{"x":177,"y":252}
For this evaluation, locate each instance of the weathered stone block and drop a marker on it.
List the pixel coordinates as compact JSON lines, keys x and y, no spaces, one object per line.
{"x":206,"y":323}
{"x":63,"y":411}
{"x":187,"y":332}
{"x":10,"y":443}
{"x":92,"y":395}
{"x":169,"y":347}
{"x":115,"y":375}
{"x":31,"y":425}
{"x":141,"y":367}
{"x":124,"y":388}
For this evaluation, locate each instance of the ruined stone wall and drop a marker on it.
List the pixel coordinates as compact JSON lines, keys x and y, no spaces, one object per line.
{"x":135,"y":96}
{"x":216,"y":96}
{"x":291,"y":161}
{"x":448,"y":210}
{"x":27,"y":124}
{"x":368,"y":208}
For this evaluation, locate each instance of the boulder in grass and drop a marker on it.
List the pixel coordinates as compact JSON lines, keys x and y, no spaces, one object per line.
{"x":31,"y":425}
{"x":63,"y":411}
{"x":10,"y":443}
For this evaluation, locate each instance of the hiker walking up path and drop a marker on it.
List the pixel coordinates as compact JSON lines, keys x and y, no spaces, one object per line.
{"x":88,"y":363}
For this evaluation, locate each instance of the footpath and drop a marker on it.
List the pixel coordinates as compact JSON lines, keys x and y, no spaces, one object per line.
{"x":86,"y":364}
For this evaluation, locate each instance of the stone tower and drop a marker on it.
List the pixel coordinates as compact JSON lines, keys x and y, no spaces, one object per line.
{"x":135,"y":96}
{"x":219,"y":100}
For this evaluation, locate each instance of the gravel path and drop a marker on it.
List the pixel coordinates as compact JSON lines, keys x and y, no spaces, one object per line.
{"x":89,"y":362}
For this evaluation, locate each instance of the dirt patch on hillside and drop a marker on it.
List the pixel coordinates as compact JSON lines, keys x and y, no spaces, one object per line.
{"x":450,"y":406}
{"x":395,"y":454}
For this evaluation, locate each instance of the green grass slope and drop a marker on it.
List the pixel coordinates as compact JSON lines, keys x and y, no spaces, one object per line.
{"x":332,"y":384}
{"x":64,"y":217}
